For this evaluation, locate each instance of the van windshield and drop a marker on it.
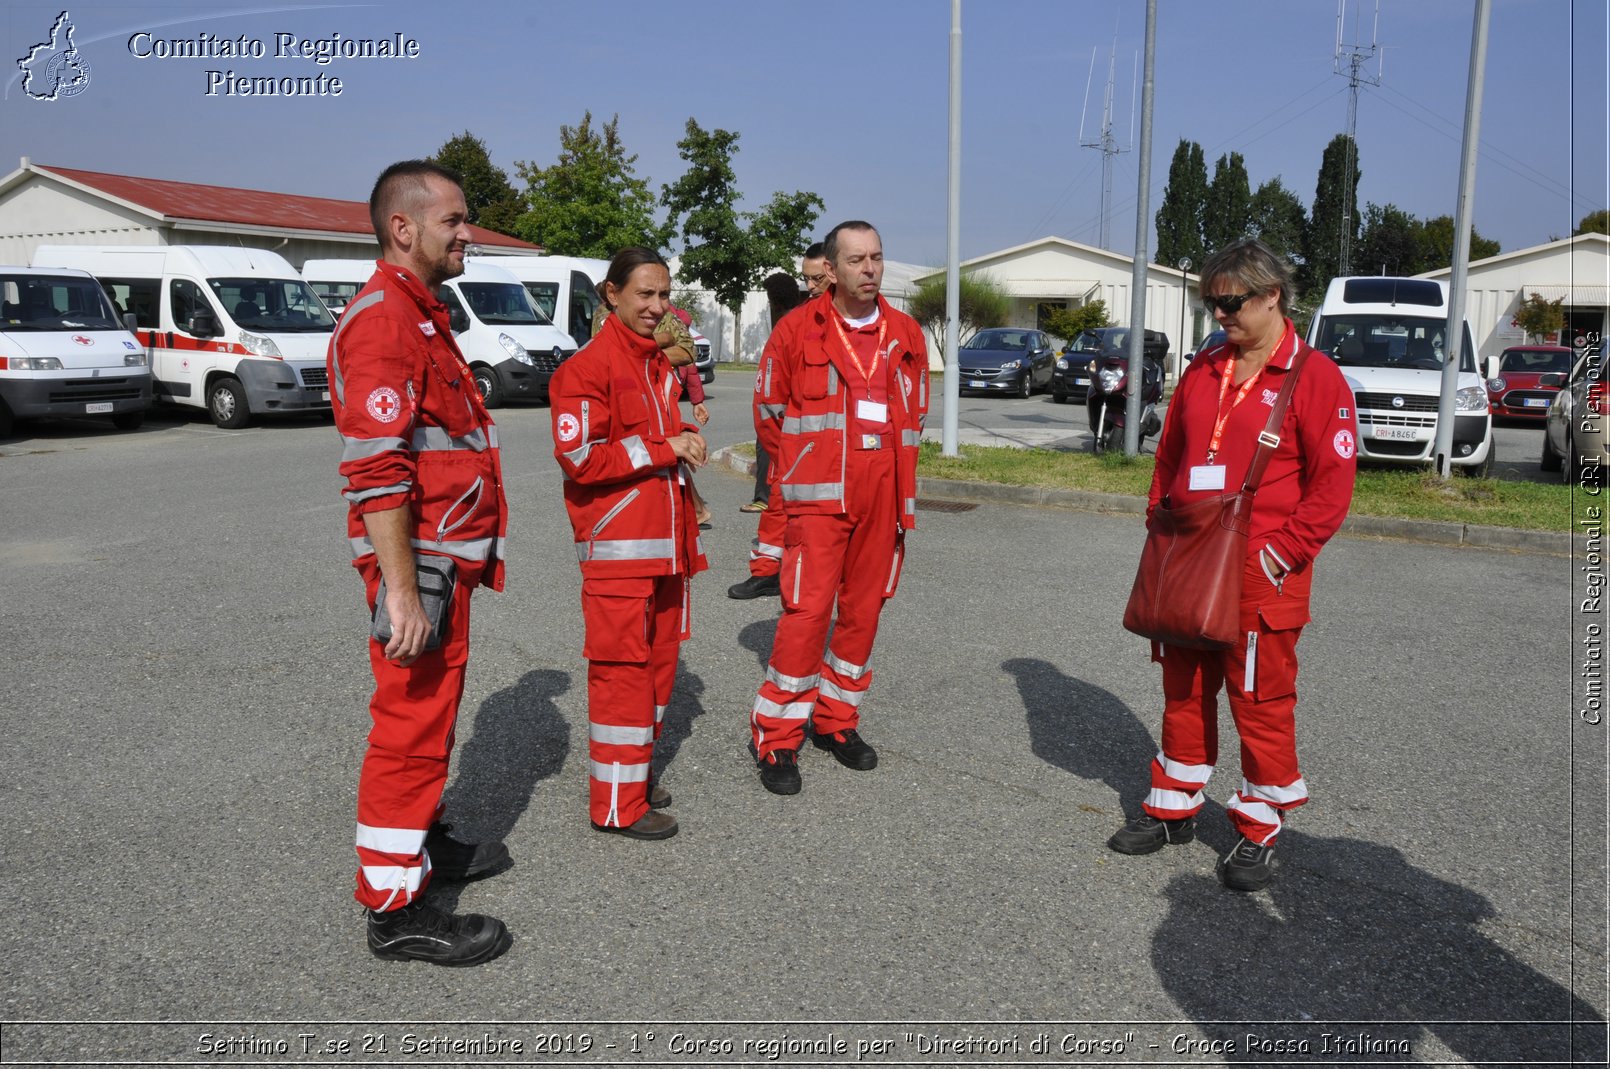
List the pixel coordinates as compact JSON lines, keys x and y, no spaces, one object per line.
{"x":281,"y":305}
{"x":54,"y":302}
{"x":1390,"y":341}
{"x":499,"y":302}
{"x":545,"y":295}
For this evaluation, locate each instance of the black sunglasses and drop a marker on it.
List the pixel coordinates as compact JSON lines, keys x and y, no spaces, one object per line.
{"x":1228,"y":305}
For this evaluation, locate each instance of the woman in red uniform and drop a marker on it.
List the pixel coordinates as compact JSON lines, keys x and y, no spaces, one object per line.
{"x":1221,"y":406}
{"x":627,"y":460}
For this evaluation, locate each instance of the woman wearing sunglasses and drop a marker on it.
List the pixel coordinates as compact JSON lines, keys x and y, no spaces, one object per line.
{"x":1220,"y":408}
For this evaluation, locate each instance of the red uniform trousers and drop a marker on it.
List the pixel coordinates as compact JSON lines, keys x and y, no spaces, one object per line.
{"x":414,"y":709}
{"x":634,"y":630}
{"x":766,"y":551}
{"x":1259,"y":676}
{"x":854,"y":557}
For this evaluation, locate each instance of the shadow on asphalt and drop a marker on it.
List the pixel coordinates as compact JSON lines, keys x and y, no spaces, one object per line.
{"x":757,"y":638}
{"x":1083,"y":729}
{"x":684,"y":709}
{"x":1351,"y":939}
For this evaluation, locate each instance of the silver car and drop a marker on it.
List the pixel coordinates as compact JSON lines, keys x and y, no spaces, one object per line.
{"x":1574,"y":433}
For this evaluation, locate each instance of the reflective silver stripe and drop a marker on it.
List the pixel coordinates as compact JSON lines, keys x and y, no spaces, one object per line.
{"x":362,"y":448}
{"x":832,"y":380}
{"x":405,"y":841}
{"x":791,"y":711}
{"x":831,"y":421}
{"x":361,"y":547}
{"x":616,"y":735}
{"x":911,"y":438}
{"x":813,"y":491}
{"x":477,"y":549}
{"x":911,"y":506}
{"x":766,"y":549}
{"x":491,"y":435}
{"x":659,"y":712}
{"x":637,"y":452}
{"x":358,"y":496}
{"x":773,"y":411}
{"x":618,"y":773}
{"x":843,"y":667}
{"x":626,"y":549}
{"x":792,"y":684}
{"x":347,"y":317}
{"x":576,"y":456}
{"x":851,"y":698}
{"x":437,"y":438}
{"x":768,"y":376}
{"x":894,"y":572}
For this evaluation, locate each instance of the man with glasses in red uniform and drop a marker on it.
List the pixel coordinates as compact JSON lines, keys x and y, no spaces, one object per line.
{"x":844,"y":384}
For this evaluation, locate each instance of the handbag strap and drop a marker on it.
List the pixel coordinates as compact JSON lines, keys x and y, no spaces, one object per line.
{"x":1269,"y":438}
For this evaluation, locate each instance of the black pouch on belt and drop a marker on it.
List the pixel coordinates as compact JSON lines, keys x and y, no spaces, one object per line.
{"x":436,"y":577}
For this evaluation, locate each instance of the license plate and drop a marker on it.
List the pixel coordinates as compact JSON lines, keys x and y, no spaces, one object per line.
{"x":1536,"y":402}
{"x":97,"y":408}
{"x":1081,"y":382}
{"x":1395,"y":434}
{"x":325,"y":396}
{"x":976,"y":384}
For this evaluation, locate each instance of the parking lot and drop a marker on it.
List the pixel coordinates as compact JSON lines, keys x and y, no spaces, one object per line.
{"x":186,"y":708}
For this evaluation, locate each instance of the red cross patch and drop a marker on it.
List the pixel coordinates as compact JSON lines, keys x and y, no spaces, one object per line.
{"x":384,"y":404}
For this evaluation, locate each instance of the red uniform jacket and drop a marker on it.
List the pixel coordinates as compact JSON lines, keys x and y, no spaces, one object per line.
{"x":413,"y":429}
{"x":1308,"y":484}
{"x":802,"y":408}
{"x":614,"y":405}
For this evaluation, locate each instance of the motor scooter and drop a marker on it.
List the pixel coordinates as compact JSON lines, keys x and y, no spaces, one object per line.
{"x":1107,"y":403}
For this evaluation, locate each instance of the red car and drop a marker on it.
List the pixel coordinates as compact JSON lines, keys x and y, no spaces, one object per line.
{"x":1517,"y":391}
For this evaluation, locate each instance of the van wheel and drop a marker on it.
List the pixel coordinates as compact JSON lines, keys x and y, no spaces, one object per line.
{"x":128,"y":421}
{"x":1550,"y":460}
{"x":226,"y":404}
{"x":1485,"y":468}
{"x":486,"y":381}
{"x":7,"y":423}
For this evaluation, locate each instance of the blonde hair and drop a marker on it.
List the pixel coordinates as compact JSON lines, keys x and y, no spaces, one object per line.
{"x":1252,"y":267}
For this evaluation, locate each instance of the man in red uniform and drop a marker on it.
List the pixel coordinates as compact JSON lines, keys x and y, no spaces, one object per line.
{"x":844,"y":385}
{"x":420,"y":460}
{"x":626,"y":457}
{"x":766,"y":552}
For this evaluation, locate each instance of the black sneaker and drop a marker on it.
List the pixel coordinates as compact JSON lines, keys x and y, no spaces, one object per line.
{"x":1147,"y":835}
{"x":756,"y":586}
{"x":454,"y":859}
{"x":851,"y":750}
{"x":779,"y":772}
{"x":421,"y":932}
{"x":1247,"y":867}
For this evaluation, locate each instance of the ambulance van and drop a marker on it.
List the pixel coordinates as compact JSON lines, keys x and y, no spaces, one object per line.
{"x":512,"y":350}
{"x":1387,"y":337}
{"x":65,"y":352}
{"x":231,"y":330}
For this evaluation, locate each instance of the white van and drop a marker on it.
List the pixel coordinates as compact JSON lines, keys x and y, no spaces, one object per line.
{"x":64,"y":351}
{"x":231,"y":330}
{"x":1386,"y":335}
{"x":511,"y":349}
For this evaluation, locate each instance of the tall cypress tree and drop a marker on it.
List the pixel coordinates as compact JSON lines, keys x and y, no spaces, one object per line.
{"x":1229,"y":203}
{"x":1179,"y":218}
{"x":1331,"y":217}
{"x":1278,"y":219}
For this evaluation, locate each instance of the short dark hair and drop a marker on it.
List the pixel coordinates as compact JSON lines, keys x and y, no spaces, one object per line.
{"x":628,"y":260}
{"x":400,"y":187}
{"x":830,"y":244}
{"x":1252,"y":266}
{"x":814,"y":252}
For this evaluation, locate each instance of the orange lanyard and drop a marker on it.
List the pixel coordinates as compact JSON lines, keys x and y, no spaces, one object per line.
{"x":883,"y":326}
{"x":1224,"y":389}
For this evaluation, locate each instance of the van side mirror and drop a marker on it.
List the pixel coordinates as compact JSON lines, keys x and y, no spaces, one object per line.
{"x":1490,"y":368}
{"x":458,"y":320}
{"x":203,"y":325}
{"x":131,"y":324}
{"x":1553,"y":378}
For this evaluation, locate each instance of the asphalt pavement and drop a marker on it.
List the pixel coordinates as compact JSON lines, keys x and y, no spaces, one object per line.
{"x":186,"y":706}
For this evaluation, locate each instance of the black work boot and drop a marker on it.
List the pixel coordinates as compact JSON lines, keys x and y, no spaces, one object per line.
{"x":849,"y":747}
{"x":455,"y":859}
{"x":421,"y":932}
{"x":779,"y":772}
{"x":1147,"y":835}
{"x":756,"y":586}
{"x":1249,"y":866}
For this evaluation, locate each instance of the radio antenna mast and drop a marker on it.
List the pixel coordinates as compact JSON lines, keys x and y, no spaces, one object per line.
{"x":1106,"y":142}
{"x":1350,"y":61}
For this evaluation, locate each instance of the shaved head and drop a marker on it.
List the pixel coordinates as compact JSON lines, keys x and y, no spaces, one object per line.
{"x":403,"y":188}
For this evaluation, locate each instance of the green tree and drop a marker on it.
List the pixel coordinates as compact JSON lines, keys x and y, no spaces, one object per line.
{"x":1179,"y":217}
{"x":1334,"y":214}
{"x":1436,"y":244}
{"x":1069,"y":323}
{"x":590,"y":202}
{"x":1538,"y":317}
{"x":1278,"y":218}
{"x":1390,"y":242}
{"x":981,"y":303}
{"x":1228,"y":216}
{"x":727,"y":251}
{"x":1593,"y":223}
{"x":492,"y":201}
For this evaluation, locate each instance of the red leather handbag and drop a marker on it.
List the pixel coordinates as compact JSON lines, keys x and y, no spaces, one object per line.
{"x":1187,"y":589}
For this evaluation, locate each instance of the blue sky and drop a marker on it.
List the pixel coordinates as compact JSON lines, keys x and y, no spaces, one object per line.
{"x":848,"y":98}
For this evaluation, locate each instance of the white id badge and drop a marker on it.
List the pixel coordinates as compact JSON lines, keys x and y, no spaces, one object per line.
{"x":872,"y":411}
{"x":1207,"y":477}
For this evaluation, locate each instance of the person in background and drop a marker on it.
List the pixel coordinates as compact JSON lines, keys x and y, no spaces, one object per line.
{"x":1214,"y":422}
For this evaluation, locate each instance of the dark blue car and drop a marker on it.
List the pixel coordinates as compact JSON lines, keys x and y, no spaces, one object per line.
{"x":1009,"y":360}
